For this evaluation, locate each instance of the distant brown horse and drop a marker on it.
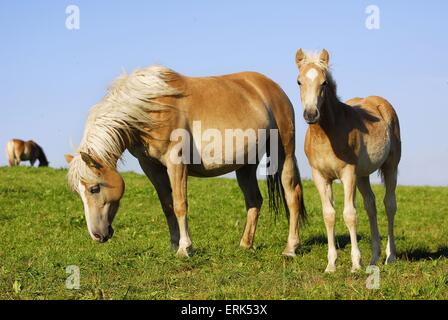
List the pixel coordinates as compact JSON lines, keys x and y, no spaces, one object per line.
{"x":18,"y":150}
{"x":147,"y":111}
{"x":349,"y":141}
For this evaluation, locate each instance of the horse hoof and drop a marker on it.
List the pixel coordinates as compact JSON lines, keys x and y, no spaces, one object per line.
{"x":391,"y":259}
{"x":183,"y":252}
{"x":356,"y":268}
{"x":330,"y":269}
{"x":289,"y":253}
{"x":246,"y":246}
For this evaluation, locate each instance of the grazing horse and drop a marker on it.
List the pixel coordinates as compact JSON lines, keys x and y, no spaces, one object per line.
{"x":349,"y":141}
{"x":150,"y":110}
{"x":18,"y":150}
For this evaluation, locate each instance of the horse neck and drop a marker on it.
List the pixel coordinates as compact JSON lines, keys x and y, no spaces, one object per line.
{"x":41,"y":156}
{"x":42,"y":159}
{"x":332,"y":107}
{"x":107,"y":153}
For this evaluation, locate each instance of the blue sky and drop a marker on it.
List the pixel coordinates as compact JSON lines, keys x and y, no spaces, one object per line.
{"x":50,"y":76}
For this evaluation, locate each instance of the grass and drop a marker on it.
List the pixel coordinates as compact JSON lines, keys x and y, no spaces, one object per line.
{"x":42,"y":231}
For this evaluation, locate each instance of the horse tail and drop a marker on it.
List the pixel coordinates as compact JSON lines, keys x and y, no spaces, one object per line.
{"x":276,"y":194}
{"x":390,"y":116}
{"x":10,"y":153}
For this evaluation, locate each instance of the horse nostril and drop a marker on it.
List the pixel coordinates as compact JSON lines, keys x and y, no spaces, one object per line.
{"x":311,"y":114}
{"x":97,"y":236}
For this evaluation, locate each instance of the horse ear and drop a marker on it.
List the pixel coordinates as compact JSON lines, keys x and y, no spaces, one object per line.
{"x":324,"y":57}
{"x":90,"y":162}
{"x":68,"y":158}
{"x":300,"y":57}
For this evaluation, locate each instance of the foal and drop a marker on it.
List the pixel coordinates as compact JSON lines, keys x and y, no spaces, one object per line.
{"x":349,"y":141}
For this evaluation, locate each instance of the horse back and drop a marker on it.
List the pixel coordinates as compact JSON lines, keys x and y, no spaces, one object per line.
{"x":278,"y":105}
{"x":377,"y":106}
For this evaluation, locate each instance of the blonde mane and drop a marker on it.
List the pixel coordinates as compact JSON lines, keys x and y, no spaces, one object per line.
{"x":313,"y":57}
{"x":125,"y":111}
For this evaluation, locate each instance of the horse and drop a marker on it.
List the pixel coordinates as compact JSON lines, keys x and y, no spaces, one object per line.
{"x":151,"y":110}
{"x":19,"y":150}
{"x":349,"y":141}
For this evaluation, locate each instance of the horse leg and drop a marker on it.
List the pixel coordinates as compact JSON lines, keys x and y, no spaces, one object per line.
{"x":348,"y":178}
{"x":390,"y":203}
{"x":364,"y":187}
{"x":17,"y":158}
{"x":290,"y":180}
{"x":158,"y":176}
{"x":177,"y":174}
{"x":247,"y":180}
{"x":12,"y":161}
{"x":326,"y":196}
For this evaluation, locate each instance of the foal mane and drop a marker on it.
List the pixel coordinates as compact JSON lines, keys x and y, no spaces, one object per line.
{"x":123,"y":114}
{"x":313,"y":57}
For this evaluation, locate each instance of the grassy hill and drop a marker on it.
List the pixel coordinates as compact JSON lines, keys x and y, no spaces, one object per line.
{"x":42,"y":231}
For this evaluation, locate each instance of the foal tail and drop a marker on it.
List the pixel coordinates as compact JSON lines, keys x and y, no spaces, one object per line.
{"x":10,"y":153}
{"x":389,"y":114}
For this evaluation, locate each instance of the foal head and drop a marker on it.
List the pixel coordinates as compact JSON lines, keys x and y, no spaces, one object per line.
{"x":100,"y":189}
{"x":313,"y":81}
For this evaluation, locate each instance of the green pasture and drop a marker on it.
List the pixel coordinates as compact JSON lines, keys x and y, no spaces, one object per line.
{"x":42,"y":231}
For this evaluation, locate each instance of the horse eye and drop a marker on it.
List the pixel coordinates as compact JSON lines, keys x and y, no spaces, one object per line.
{"x":299,"y":83}
{"x":324,"y":83}
{"x":95,"y":189}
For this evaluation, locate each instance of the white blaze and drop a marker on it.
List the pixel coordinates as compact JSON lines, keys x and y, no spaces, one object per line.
{"x":82,"y":193}
{"x":312,"y":74}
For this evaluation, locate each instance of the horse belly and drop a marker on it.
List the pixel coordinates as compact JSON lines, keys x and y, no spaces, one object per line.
{"x":215,"y":171}
{"x":228,"y":152}
{"x":373,"y":153}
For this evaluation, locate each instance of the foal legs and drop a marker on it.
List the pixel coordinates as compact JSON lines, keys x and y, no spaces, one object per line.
{"x":326,"y":197}
{"x":247,"y":180}
{"x":390,"y":181}
{"x":290,"y":179}
{"x":370,"y":206}
{"x":348,"y":178}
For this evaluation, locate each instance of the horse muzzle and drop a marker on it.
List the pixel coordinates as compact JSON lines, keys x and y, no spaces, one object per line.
{"x":311,"y":116}
{"x":102,"y":237}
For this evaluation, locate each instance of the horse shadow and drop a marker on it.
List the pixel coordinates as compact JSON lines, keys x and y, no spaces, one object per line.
{"x":421,"y":254}
{"x":412,"y":254}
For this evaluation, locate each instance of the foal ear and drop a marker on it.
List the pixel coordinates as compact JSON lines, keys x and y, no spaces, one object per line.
{"x":324,"y":57}
{"x":68,"y":158}
{"x":90,"y":162}
{"x":300,"y":57}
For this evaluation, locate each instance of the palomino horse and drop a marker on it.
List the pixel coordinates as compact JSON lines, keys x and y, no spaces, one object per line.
{"x":349,"y":141}
{"x":18,"y":150}
{"x":142,"y":112}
